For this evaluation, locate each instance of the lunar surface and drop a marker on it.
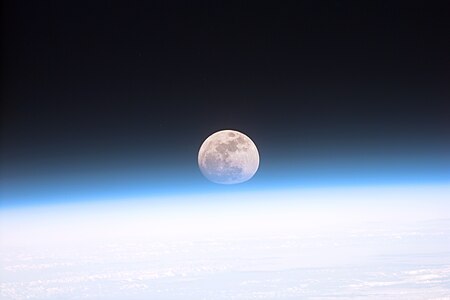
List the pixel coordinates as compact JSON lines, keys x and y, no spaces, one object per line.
{"x":228,"y":157}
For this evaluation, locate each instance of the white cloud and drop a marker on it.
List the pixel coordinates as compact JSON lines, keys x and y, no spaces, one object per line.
{"x":368,"y":243}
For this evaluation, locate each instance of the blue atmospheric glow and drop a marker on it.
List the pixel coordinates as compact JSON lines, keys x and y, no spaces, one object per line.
{"x":85,"y":182}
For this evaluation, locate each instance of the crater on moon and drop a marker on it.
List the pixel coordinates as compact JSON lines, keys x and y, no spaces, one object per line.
{"x":228,"y":157}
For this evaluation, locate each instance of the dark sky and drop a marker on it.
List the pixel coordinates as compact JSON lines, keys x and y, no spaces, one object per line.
{"x":131,"y":89}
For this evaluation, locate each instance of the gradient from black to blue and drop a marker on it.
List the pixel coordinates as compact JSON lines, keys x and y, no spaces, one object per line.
{"x":101,"y":100}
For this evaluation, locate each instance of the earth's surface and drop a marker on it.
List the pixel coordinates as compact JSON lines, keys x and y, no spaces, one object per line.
{"x":55,"y":255}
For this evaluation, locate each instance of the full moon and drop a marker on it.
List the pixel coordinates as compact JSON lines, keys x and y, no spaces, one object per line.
{"x":228,"y":157}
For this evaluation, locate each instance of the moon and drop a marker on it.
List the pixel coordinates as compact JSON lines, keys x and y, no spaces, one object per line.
{"x":228,"y":157}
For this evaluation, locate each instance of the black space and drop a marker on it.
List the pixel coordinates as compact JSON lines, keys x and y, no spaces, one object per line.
{"x":87,"y":79}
